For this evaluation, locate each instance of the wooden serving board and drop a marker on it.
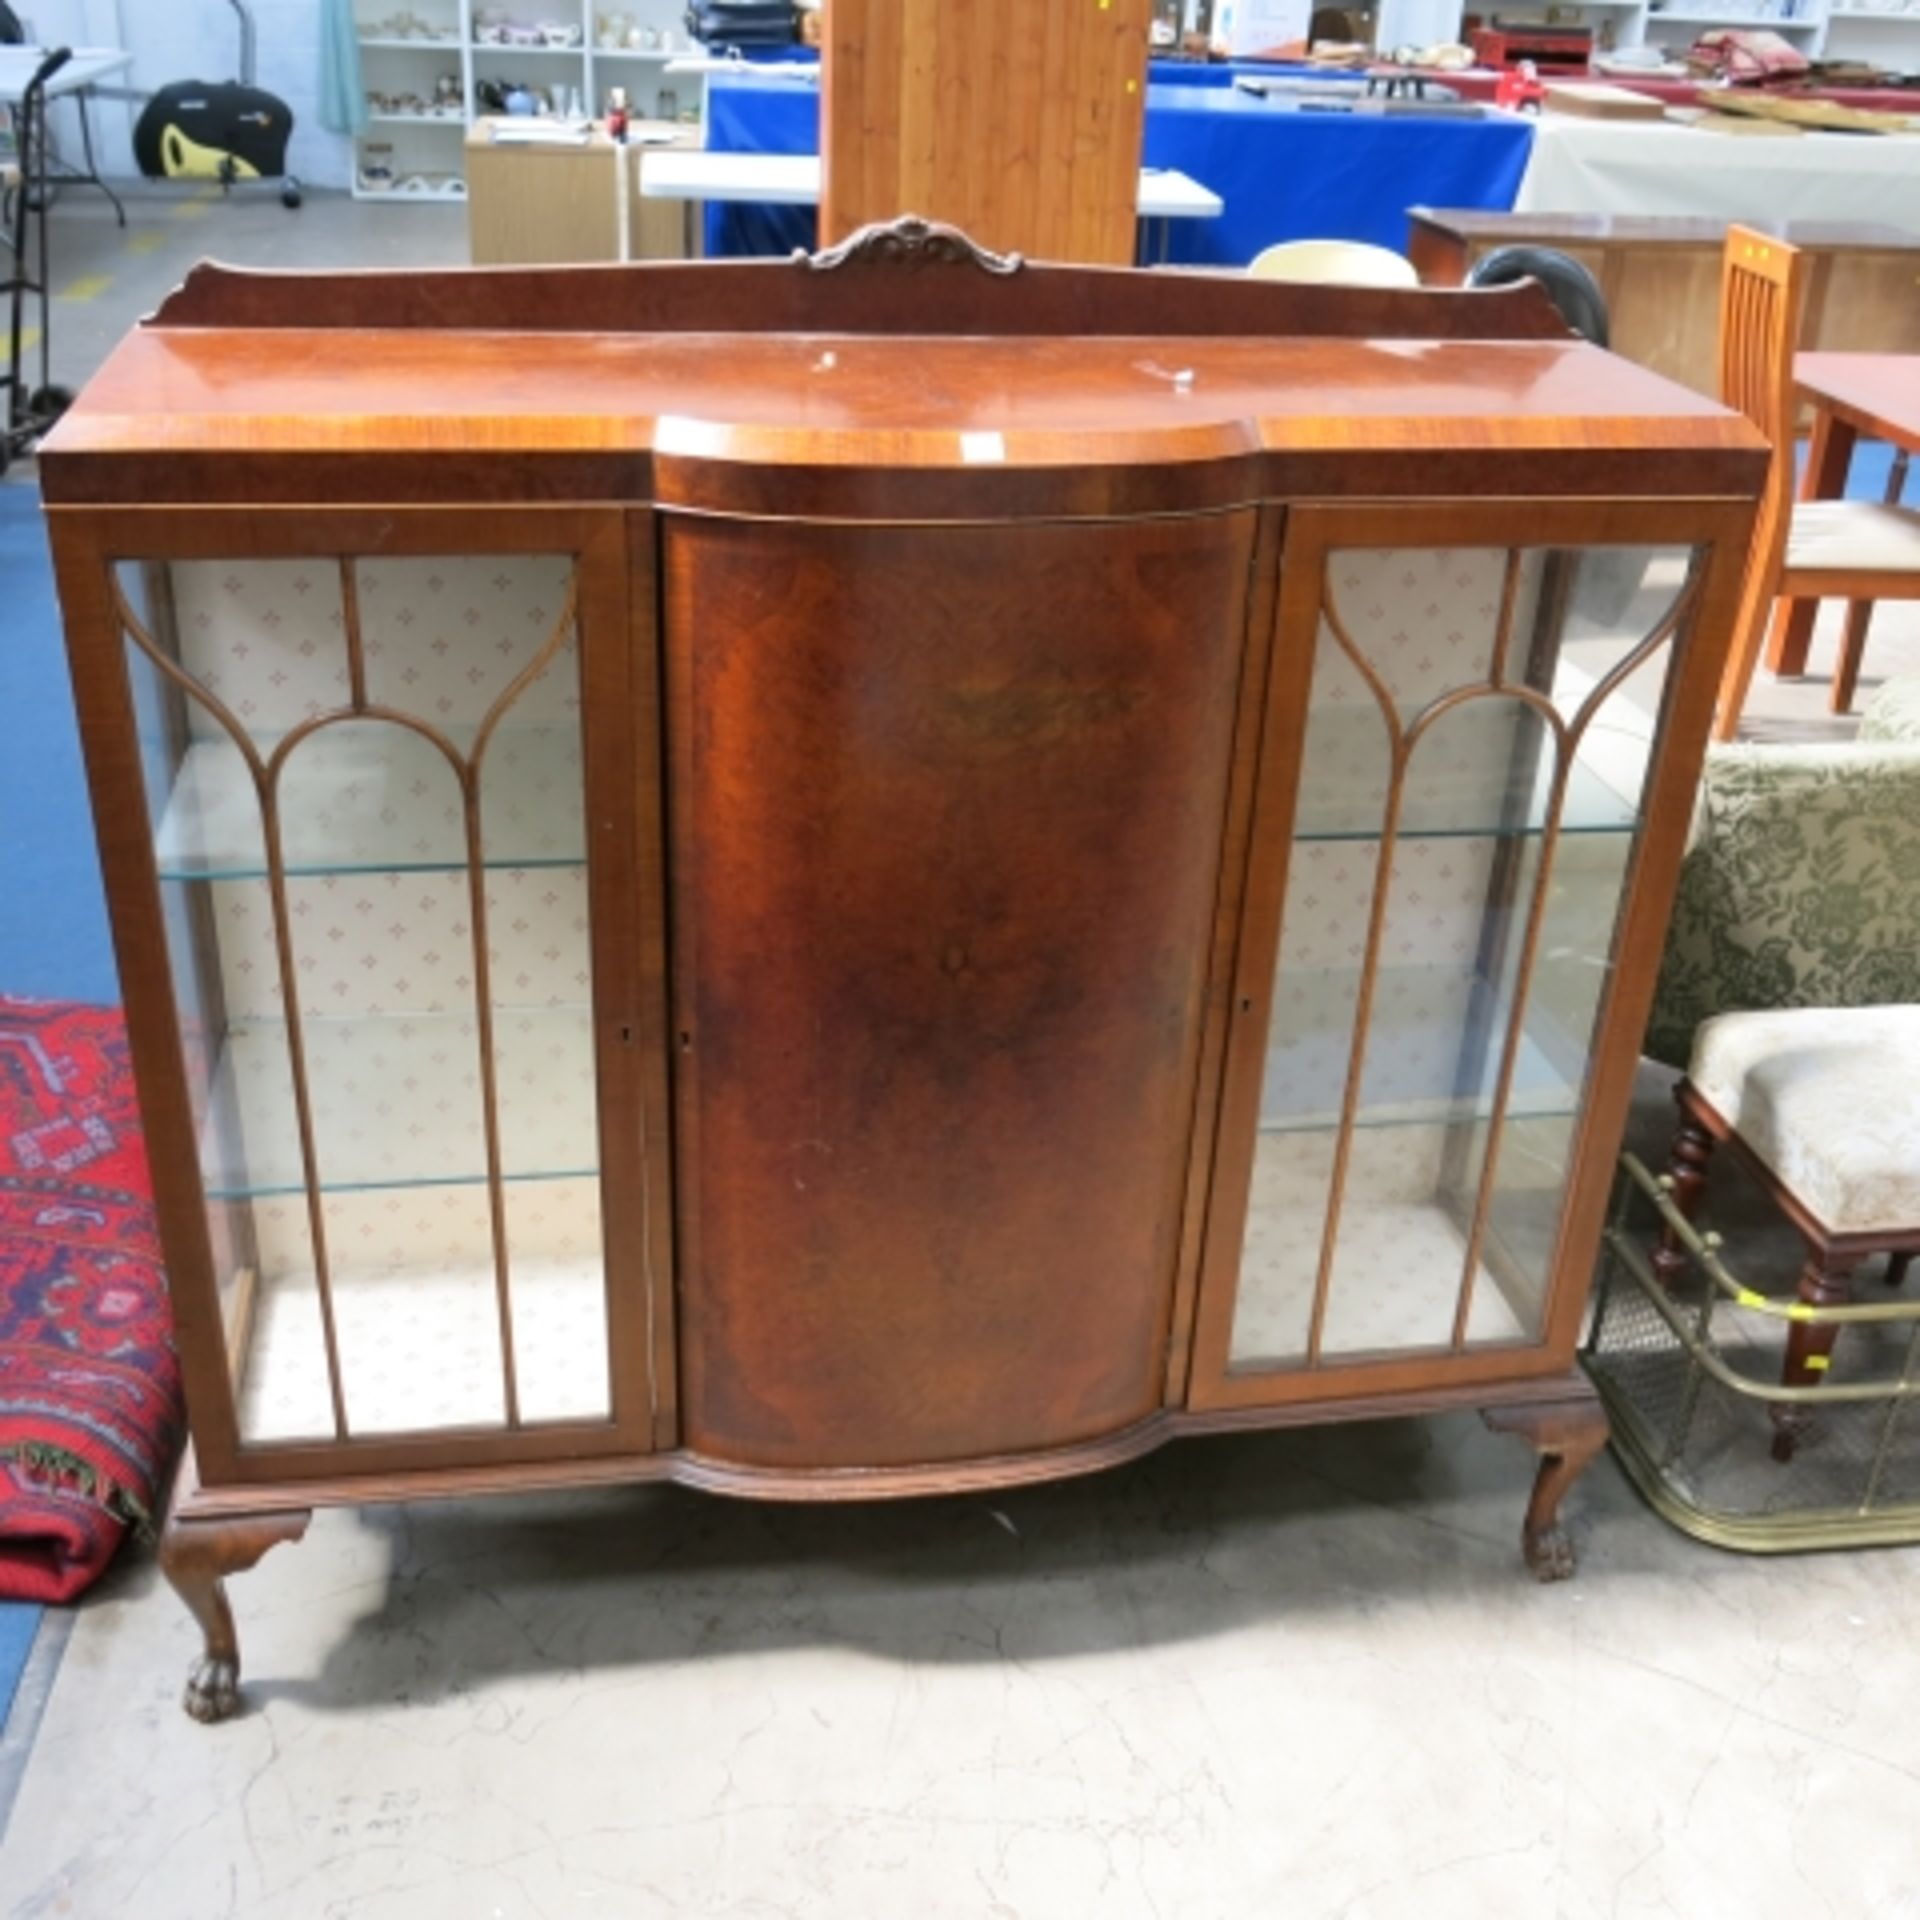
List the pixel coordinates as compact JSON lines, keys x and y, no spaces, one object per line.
{"x":1595,"y":100}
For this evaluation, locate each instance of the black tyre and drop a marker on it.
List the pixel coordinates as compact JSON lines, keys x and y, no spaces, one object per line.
{"x":290,"y":193}
{"x":45,"y":405}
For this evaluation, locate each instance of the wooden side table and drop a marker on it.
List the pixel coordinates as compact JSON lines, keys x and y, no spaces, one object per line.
{"x":1661,"y":277}
{"x":546,"y":205}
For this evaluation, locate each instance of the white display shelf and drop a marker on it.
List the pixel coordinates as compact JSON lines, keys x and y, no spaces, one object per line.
{"x":420,"y":1349}
{"x":1779,"y":24}
{"x":449,"y":193}
{"x":372,"y":797}
{"x":395,"y":1101}
{"x":1634,"y":24}
{"x":1412,"y":1074}
{"x":589,"y":67}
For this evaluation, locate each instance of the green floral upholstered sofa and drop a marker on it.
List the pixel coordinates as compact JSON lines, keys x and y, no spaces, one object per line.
{"x":1802,"y":884}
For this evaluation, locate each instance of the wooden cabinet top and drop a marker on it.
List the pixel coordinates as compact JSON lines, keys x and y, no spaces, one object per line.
{"x":875,"y":382}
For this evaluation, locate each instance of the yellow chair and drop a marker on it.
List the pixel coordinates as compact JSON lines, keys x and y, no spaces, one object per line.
{"x":1350,"y":263}
{"x":1853,"y":550}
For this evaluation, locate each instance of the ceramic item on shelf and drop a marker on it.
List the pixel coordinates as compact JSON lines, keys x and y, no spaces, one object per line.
{"x":447,"y":96}
{"x":561,"y":33}
{"x":375,"y":172}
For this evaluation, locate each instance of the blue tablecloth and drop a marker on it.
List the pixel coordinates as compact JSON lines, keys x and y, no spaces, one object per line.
{"x":1284,"y":174}
{"x":1289,"y":175}
{"x":762,"y":116}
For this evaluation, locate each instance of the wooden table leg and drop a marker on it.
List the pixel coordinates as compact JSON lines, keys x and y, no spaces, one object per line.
{"x":1828,"y":460}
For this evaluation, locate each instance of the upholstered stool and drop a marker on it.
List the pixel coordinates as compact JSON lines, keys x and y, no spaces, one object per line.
{"x":1822,"y":1106}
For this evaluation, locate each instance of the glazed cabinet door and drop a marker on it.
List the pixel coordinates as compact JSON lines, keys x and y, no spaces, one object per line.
{"x":1483,"y":732}
{"x":373,"y":795}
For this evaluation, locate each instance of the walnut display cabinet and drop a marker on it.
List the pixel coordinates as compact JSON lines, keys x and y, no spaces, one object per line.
{"x":878,"y":874}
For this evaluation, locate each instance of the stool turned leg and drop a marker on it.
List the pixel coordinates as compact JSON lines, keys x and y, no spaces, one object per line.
{"x":1809,"y":1346}
{"x":1687,"y":1166}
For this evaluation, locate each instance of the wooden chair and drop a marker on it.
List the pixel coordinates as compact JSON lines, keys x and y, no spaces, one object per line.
{"x":1856,"y":550}
{"x":1353,"y":263}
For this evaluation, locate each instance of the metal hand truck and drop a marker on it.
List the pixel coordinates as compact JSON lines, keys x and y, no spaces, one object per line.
{"x":30,"y":410}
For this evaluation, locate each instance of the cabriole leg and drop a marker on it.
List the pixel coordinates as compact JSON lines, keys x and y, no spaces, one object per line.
{"x":1566,"y":1434}
{"x":196,"y":1555}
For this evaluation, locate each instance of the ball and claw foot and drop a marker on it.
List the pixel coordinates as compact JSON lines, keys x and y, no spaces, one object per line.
{"x":1550,"y":1555}
{"x":196,"y":1554}
{"x":1566,"y":1433}
{"x":213,"y":1690}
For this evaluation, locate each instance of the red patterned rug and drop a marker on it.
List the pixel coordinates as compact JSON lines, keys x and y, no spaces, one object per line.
{"x":90,"y":1408}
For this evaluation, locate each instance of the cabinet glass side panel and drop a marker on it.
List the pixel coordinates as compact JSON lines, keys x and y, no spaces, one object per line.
{"x":1479,"y":729}
{"x":366,"y":781}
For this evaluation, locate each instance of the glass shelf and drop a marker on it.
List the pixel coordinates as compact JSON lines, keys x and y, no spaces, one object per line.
{"x":1464,"y":780}
{"x":396,"y":1102}
{"x":1401,"y":1262}
{"x":372,"y":797}
{"x":1414,"y":1058}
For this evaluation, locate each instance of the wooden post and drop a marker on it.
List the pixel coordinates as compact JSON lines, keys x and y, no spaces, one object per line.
{"x":1019,"y":123}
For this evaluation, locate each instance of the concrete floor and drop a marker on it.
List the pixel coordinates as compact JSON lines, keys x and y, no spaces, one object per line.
{"x":1297,"y":1675}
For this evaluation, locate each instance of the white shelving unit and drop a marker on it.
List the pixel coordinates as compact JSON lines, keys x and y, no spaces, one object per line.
{"x":440,"y":52}
{"x":1801,"y":21}
{"x":1876,"y":30}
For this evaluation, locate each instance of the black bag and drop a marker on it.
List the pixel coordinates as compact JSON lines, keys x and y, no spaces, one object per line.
{"x":719,"y":24}
{"x":213,"y":130}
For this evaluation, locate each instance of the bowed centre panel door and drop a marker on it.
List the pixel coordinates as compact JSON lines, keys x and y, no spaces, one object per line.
{"x":946,"y":814}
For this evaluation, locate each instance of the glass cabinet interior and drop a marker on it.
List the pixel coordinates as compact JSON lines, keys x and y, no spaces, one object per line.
{"x":1479,"y":724}
{"x":365,"y":781}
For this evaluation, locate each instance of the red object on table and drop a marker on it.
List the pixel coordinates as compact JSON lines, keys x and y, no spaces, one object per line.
{"x":1554,"y":50}
{"x":1483,"y":83}
{"x":90,"y":1404}
{"x":1520,"y":87}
